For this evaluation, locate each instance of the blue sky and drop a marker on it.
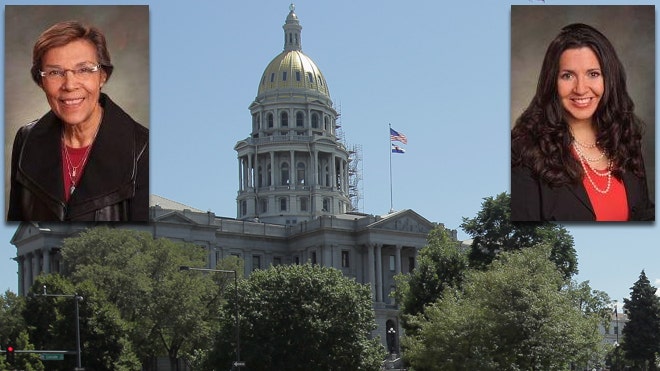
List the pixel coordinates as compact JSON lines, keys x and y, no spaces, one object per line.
{"x":436,"y":71}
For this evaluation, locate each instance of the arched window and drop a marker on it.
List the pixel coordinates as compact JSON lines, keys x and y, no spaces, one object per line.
{"x":327,"y":124}
{"x":284,"y":119}
{"x":300,"y":173}
{"x":284,"y":174}
{"x":299,"y":119}
{"x":315,"y":121}
{"x":270,"y":120}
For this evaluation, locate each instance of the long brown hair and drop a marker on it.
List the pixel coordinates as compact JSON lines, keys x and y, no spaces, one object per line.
{"x":541,"y":139}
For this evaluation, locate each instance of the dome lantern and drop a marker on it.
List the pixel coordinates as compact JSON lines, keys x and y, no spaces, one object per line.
{"x":292,"y":30}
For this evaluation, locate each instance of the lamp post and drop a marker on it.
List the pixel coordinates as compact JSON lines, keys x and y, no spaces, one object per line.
{"x":76,"y":299}
{"x":238,"y":362}
{"x":616,"y":327}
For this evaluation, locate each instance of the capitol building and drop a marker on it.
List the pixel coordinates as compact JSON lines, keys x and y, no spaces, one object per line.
{"x":296,"y":197}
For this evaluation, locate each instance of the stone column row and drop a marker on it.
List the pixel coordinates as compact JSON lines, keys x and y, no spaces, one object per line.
{"x":375,"y":268}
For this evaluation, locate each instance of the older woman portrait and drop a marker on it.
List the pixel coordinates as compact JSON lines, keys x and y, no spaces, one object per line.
{"x":85,"y":159}
{"x":576,"y":152}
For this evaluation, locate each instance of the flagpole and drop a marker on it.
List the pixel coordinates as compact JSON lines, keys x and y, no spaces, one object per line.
{"x":391,"y":193}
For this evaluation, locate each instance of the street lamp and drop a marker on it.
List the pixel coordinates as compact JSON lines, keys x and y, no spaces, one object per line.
{"x":76,"y":299}
{"x":238,"y":362}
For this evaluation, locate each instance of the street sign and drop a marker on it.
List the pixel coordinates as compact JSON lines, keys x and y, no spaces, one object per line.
{"x":51,"y":356}
{"x":239,"y":364}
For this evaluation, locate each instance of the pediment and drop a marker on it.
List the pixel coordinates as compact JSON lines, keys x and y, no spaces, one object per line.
{"x":404,"y":221}
{"x":174,"y":217}
{"x":25,"y":230}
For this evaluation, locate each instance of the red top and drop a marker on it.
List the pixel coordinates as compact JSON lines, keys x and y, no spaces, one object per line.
{"x":76,"y":156}
{"x":611,"y":206}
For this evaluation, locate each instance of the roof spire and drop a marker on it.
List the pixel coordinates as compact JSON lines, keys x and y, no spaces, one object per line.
{"x":292,"y":28}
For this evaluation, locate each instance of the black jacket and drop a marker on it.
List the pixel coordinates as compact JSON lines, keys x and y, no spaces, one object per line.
{"x":534,"y":200}
{"x":115,"y":182}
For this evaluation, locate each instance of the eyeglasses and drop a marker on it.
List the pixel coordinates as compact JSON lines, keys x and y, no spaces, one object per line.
{"x":56,"y":74}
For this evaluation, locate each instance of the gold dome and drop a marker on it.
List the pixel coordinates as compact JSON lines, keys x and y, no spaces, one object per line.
{"x":293,"y":70}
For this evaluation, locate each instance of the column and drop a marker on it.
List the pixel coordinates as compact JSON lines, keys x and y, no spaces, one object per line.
{"x":292,"y":175}
{"x":28,"y":278}
{"x":240,"y":175}
{"x":46,"y":258}
{"x":250,"y":166}
{"x":36,"y":266}
{"x":379,"y":273}
{"x":21,"y":276}
{"x":397,"y":259}
{"x":370,"y":269}
{"x":272,"y":169}
{"x":316,"y":169}
{"x":333,"y":173}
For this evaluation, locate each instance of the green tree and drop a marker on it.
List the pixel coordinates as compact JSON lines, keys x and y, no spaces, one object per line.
{"x":641,"y":334}
{"x":103,"y":333}
{"x":511,"y":316}
{"x":13,"y":331}
{"x":440,"y":264}
{"x":300,"y":317}
{"x":493,"y":232}
{"x":167,"y":311}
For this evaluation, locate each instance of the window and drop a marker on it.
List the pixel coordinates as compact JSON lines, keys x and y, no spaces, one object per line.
{"x":314,"y":257}
{"x":283,"y":75}
{"x":284,"y":176}
{"x":243,"y":207}
{"x":297,"y":75}
{"x":272,"y":77}
{"x":344,"y":259}
{"x":284,"y":119}
{"x":283,"y":205}
{"x":300,"y":173}
{"x":310,"y":77}
{"x":263,"y":205}
{"x":260,"y":181}
{"x":270,"y":120}
{"x":299,"y":119}
{"x":268,"y":180}
{"x":411,"y":264}
{"x":315,"y":121}
{"x":392,"y":263}
{"x":256,"y":262}
{"x":326,"y":204}
{"x":277,"y":260}
{"x":303,"y":203}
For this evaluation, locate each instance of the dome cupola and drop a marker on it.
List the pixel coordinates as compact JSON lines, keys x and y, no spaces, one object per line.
{"x":292,"y":70}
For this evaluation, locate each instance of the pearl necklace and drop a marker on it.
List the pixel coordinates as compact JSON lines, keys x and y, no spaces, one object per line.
{"x":586,"y":167}
{"x":589,"y":159}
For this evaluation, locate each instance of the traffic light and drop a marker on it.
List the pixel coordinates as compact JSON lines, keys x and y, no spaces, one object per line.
{"x":9,"y":354}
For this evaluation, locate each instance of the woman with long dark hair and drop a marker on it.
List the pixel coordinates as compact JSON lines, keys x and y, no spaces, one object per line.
{"x":576,"y":150}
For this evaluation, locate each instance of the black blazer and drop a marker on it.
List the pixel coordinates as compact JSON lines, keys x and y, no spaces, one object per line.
{"x":115,"y":182}
{"x":534,"y":200}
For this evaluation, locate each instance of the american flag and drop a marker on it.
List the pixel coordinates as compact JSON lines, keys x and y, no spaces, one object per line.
{"x":396,"y":136}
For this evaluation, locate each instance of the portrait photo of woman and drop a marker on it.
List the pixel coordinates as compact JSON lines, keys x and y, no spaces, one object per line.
{"x":86,"y":158}
{"x":578,"y":149}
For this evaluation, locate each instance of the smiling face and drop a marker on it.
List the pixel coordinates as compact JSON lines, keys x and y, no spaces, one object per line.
{"x":580,"y":84}
{"x":74,"y":98}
